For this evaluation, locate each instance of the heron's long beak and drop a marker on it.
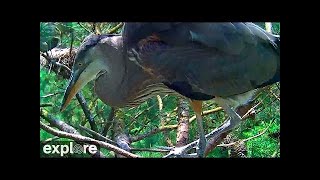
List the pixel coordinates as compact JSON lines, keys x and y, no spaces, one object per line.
{"x":78,"y":81}
{"x":72,"y":89}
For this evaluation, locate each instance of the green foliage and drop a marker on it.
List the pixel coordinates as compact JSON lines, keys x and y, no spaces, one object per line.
{"x":266,"y":145}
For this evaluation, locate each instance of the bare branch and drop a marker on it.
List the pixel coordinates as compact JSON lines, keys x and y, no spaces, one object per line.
{"x":77,"y":137}
{"x":160,"y":103}
{"x":86,"y":111}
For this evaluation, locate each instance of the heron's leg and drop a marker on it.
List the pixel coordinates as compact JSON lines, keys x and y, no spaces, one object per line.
{"x":197,"y":107}
{"x":233,"y":120}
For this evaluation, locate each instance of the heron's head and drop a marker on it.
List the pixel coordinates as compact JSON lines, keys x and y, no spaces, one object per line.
{"x":90,"y":62}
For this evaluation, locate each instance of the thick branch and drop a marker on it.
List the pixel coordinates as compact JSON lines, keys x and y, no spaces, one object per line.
{"x":63,"y":127}
{"x":183,"y":122}
{"x":57,"y":123}
{"x":86,"y":139}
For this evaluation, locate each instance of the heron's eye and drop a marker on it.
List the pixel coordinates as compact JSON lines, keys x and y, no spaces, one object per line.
{"x":79,"y":64}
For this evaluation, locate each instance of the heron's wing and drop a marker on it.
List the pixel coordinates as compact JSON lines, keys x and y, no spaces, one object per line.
{"x":230,"y":38}
{"x":201,"y":60}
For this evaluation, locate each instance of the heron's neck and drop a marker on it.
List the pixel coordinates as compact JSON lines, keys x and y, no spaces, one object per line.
{"x":108,"y":86}
{"x":124,"y":79}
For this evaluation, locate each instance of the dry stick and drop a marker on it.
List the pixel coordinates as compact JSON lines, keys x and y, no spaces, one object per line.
{"x":145,"y":110}
{"x":141,"y":112}
{"x":244,"y":140}
{"x":163,"y":119}
{"x":255,"y":106}
{"x":50,"y":139}
{"x":99,"y":136}
{"x":266,"y":106}
{"x":46,"y":105}
{"x":150,"y":150}
{"x":92,"y":103}
{"x":169,"y":127}
{"x":86,"y":139}
{"x":109,"y":121}
{"x":268,"y":27}
{"x":278,"y":98}
{"x":160,"y":103}
{"x":84,"y":28}
{"x":115,"y":28}
{"x":71,"y":43}
{"x":53,"y":94}
{"x":97,"y":28}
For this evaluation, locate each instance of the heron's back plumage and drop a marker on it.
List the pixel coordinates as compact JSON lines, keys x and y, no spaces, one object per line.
{"x":203,"y":60}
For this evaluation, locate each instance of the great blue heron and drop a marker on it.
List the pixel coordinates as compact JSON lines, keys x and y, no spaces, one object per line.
{"x":226,"y":62}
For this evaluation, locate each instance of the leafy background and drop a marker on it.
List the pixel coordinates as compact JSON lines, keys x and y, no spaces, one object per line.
{"x":267,"y":118}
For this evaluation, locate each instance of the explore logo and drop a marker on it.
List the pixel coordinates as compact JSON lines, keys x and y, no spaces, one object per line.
{"x":66,"y":149}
